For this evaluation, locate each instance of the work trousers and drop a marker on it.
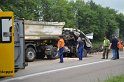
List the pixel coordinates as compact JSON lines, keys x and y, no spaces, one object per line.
{"x":117,"y":53}
{"x":80,"y":52}
{"x":114,"y":53}
{"x":105,"y":52}
{"x":61,"y":50}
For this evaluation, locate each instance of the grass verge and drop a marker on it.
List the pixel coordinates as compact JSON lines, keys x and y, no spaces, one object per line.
{"x":116,"y":79}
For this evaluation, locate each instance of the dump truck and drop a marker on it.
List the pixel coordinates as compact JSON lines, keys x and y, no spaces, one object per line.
{"x":41,"y":39}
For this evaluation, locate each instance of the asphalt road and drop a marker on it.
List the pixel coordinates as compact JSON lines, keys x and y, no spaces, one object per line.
{"x":91,"y":69}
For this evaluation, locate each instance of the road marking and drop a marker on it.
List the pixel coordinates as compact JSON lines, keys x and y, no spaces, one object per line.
{"x":51,"y":71}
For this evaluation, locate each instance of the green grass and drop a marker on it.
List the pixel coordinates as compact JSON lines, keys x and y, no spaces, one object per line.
{"x":116,"y":79}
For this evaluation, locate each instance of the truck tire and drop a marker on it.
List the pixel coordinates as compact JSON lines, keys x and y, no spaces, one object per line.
{"x":51,"y":52}
{"x":52,"y":56}
{"x":30,"y":54}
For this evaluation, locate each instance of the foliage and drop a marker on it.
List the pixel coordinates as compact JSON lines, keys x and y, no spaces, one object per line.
{"x":116,"y":79}
{"x":97,"y":46}
{"x":120,"y":20}
{"x":27,"y":9}
{"x":88,"y":17}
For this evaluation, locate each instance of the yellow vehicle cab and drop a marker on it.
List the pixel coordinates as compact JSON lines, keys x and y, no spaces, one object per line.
{"x":6,"y":44}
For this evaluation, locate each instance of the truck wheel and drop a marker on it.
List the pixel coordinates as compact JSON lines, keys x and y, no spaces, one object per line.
{"x":85,"y":53}
{"x":30,"y":54}
{"x":51,"y":52}
{"x":52,"y":56}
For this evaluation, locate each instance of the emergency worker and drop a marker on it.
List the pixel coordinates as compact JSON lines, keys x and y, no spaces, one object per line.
{"x":106,"y":44}
{"x":119,"y":46}
{"x":80,"y":47}
{"x":61,"y":44}
{"x":113,"y":46}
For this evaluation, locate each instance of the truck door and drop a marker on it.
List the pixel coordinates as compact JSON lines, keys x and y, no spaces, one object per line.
{"x":6,"y":44}
{"x":19,"y":44}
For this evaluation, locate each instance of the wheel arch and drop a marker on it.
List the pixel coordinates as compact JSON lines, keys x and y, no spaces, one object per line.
{"x":27,"y":45}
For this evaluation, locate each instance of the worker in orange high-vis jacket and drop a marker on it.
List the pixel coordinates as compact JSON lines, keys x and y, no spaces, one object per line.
{"x":61,"y":44}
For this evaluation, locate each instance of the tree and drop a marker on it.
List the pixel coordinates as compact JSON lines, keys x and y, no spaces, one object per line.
{"x":120,"y":20}
{"x":22,"y":8}
{"x":88,"y":17}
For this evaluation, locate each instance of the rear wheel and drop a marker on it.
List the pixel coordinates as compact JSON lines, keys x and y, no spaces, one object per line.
{"x":30,"y":54}
{"x":51,"y":52}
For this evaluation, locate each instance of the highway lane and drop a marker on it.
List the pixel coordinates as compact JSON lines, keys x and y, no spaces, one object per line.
{"x":91,"y":69}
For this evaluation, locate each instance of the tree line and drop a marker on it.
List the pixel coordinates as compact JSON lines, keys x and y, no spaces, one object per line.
{"x":86,"y":16}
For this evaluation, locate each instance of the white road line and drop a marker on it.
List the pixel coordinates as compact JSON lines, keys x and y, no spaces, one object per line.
{"x":50,"y":71}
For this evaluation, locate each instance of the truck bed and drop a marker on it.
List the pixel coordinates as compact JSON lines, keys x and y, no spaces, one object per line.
{"x":35,"y":30}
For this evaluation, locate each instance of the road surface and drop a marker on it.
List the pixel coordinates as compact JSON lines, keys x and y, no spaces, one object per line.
{"x":91,"y":69}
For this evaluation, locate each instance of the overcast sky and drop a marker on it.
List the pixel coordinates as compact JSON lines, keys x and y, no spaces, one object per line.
{"x":118,"y":5}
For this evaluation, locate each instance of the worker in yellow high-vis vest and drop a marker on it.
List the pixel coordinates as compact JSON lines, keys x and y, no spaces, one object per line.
{"x":106,"y":44}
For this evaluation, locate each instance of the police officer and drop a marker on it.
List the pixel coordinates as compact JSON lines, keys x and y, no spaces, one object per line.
{"x":80,"y":47}
{"x":61,"y":44}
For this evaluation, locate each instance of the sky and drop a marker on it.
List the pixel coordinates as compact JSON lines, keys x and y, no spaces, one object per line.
{"x":118,"y":5}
